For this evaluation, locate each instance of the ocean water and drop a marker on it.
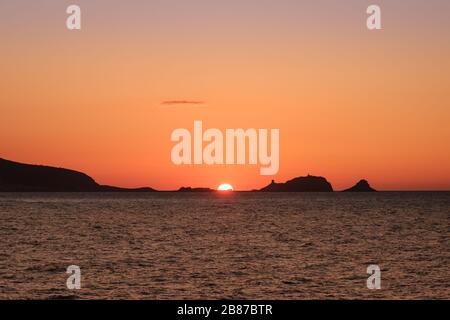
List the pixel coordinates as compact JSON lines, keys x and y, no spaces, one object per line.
{"x":238,"y":245}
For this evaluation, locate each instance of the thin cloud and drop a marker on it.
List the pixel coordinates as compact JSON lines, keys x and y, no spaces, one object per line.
{"x":182,"y":102}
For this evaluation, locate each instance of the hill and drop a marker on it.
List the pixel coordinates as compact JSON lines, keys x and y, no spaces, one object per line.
{"x":20,"y":177}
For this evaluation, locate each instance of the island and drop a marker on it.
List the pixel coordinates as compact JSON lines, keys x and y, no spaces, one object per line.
{"x":300,"y":184}
{"x":361,"y":186}
{"x":189,"y":189}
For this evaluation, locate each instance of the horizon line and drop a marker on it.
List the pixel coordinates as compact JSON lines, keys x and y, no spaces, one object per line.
{"x":209,"y":189}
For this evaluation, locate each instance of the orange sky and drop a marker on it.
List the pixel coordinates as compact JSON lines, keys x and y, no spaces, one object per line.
{"x":349,"y":103}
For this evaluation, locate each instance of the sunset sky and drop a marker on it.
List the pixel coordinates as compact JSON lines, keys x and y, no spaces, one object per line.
{"x":350,"y":103}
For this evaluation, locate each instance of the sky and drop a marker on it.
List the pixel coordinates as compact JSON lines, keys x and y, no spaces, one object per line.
{"x":350,"y":103}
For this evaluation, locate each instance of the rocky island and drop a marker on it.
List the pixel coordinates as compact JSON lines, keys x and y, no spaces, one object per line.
{"x":300,"y":184}
{"x":190,"y":189}
{"x":361,"y":186}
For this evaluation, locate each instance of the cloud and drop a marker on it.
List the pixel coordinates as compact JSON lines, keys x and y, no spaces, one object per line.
{"x":181,"y":102}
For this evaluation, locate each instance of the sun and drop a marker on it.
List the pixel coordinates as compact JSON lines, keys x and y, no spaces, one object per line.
{"x":225,"y":187}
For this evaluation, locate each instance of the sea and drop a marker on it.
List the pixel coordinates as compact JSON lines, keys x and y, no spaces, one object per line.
{"x":237,"y":245}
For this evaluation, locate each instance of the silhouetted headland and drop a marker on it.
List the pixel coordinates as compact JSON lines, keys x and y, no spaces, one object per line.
{"x":361,"y":186}
{"x":300,"y":184}
{"x":20,"y":177}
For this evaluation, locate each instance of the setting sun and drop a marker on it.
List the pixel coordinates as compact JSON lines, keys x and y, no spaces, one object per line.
{"x":225,"y":187}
